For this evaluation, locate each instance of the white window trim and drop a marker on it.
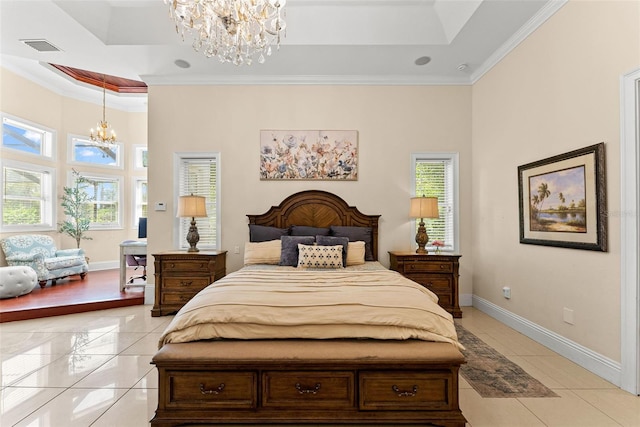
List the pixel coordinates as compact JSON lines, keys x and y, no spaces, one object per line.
{"x":176,"y":193}
{"x":454,"y":157}
{"x":120,"y":179}
{"x":49,"y":205}
{"x":72,"y":161}
{"x":136,"y":158}
{"x":49,"y":147}
{"x":134,"y":207}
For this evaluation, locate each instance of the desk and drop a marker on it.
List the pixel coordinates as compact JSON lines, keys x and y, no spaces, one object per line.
{"x":134,"y":247}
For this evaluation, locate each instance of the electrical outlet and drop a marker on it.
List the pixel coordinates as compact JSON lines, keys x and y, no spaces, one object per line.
{"x":506,"y":292}
{"x":236,"y":249}
{"x":567,"y":315}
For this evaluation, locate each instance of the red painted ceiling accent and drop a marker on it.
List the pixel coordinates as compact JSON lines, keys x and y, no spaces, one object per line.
{"x":112,"y":83}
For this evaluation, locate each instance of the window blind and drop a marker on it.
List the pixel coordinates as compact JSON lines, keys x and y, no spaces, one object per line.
{"x":199,"y":176}
{"x":435,"y":178}
{"x":23,"y":197}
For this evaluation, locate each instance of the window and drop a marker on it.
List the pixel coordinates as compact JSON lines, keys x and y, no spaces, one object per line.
{"x":436,"y":175}
{"x":26,"y":137}
{"x":140,"y":157}
{"x":198,"y":175}
{"x":140,"y":200}
{"x":105,"y":205}
{"x":84,"y":151}
{"x":27,"y":197}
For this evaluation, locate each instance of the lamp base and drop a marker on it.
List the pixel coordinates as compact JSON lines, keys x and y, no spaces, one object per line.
{"x":421,"y":238}
{"x":193,"y":237}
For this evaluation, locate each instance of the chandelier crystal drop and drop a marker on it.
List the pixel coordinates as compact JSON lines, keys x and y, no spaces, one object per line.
{"x":231,"y":30}
{"x":103,"y":135}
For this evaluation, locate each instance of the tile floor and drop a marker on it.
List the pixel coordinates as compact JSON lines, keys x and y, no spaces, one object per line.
{"x":92,"y":369}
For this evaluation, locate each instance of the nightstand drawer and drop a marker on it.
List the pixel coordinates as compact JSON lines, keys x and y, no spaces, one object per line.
{"x":428,"y":267}
{"x":431,"y":391}
{"x":185,"y":283}
{"x":312,"y":389}
{"x":186,"y":266}
{"x":219,"y":390}
{"x":177,"y":298}
{"x":431,"y":282}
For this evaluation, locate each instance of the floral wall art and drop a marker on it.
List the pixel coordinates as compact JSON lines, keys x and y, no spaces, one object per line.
{"x":309,"y":155}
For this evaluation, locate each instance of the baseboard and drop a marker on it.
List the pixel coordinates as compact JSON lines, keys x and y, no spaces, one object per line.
{"x":465,"y":300}
{"x":583,"y":356}
{"x":103,"y":265}
{"x":149,"y":293}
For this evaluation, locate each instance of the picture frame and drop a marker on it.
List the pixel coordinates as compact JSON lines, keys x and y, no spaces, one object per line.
{"x":330,"y":155}
{"x":562,"y":200}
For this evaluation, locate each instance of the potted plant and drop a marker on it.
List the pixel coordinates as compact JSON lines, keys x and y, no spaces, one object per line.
{"x":74,"y":200}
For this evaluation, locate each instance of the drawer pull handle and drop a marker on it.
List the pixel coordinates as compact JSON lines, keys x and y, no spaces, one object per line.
{"x":185,"y":283}
{"x":308,"y":390}
{"x":429,"y":285}
{"x":405,"y":393}
{"x":212,"y":391}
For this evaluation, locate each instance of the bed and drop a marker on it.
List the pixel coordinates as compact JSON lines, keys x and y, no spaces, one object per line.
{"x":221,"y":362}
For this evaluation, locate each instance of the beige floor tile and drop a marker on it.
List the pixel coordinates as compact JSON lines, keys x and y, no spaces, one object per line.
{"x":110,"y":343}
{"x":519,"y":344}
{"x":136,"y":408}
{"x":18,"y":402}
{"x":74,"y":407}
{"x":63,"y":372}
{"x":118,"y":372}
{"x":535,"y":372}
{"x":149,"y":381}
{"x":481,"y":412}
{"x":623,"y":407}
{"x":44,"y":342}
{"x":17,"y":366}
{"x":147,"y":345}
{"x":568,"y":411}
{"x":567,"y":373}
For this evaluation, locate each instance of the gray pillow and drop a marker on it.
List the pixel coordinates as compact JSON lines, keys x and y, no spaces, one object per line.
{"x":333,"y":241}
{"x":356,"y":234}
{"x":304,"y":230}
{"x":263,"y":233}
{"x":289,"y":251}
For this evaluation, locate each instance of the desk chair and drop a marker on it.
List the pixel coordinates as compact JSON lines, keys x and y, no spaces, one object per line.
{"x":137,"y":261}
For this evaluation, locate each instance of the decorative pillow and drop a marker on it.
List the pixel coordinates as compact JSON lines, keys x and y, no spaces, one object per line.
{"x":332,"y":241}
{"x":320,"y":256}
{"x":262,"y":252}
{"x":263,"y":233}
{"x":303,"y":230}
{"x":355,"y":253}
{"x":289,"y":252}
{"x":355,"y":234}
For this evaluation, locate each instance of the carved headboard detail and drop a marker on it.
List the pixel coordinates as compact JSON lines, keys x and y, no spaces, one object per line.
{"x":317,"y":208}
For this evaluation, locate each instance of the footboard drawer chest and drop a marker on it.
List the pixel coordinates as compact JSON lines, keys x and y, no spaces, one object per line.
{"x":180,"y":275}
{"x":436,"y":272}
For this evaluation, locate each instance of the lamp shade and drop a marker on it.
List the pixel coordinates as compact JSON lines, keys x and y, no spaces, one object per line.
{"x":192,"y":206}
{"x":424,"y":207}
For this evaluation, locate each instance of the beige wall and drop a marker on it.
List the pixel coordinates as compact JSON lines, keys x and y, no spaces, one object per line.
{"x":392,"y":123}
{"x":26,"y":100}
{"x":556,"y":92}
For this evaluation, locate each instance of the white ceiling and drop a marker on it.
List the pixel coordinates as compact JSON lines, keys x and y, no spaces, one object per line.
{"x":327,"y":42}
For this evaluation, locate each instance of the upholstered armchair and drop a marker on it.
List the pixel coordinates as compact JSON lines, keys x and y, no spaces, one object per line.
{"x":40,"y":253}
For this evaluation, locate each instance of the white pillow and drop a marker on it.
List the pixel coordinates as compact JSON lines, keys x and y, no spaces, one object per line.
{"x":262,"y":252}
{"x":355,"y":253}
{"x":319,"y":256}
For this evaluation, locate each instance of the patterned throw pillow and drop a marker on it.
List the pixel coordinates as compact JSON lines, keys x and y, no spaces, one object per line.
{"x":320,"y":256}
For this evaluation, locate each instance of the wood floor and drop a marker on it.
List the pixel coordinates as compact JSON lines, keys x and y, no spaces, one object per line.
{"x":98,"y":291}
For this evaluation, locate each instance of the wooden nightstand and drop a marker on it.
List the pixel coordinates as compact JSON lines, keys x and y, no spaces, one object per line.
{"x":438,"y":273}
{"x":180,"y":275}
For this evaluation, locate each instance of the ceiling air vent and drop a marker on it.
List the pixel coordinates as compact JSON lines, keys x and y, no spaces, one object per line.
{"x":41,"y":45}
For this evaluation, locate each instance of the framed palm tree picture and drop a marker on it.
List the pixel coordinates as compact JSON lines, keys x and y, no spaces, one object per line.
{"x":563,"y":200}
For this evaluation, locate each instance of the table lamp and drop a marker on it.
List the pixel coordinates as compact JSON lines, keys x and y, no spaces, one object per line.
{"x":423,"y":207}
{"x":194,"y":207}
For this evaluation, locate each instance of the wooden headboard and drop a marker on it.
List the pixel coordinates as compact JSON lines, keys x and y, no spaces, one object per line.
{"x":317,"y":208}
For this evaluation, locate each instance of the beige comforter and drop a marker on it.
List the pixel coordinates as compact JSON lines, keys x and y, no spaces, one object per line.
{"x":274,"y":303}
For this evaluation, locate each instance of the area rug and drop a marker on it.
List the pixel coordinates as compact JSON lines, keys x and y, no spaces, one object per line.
{"x":493,"y":375}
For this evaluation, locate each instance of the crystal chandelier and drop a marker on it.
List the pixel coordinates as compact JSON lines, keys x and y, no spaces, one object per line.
{"x":231,"y":30}
{"x":102,"y":134}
